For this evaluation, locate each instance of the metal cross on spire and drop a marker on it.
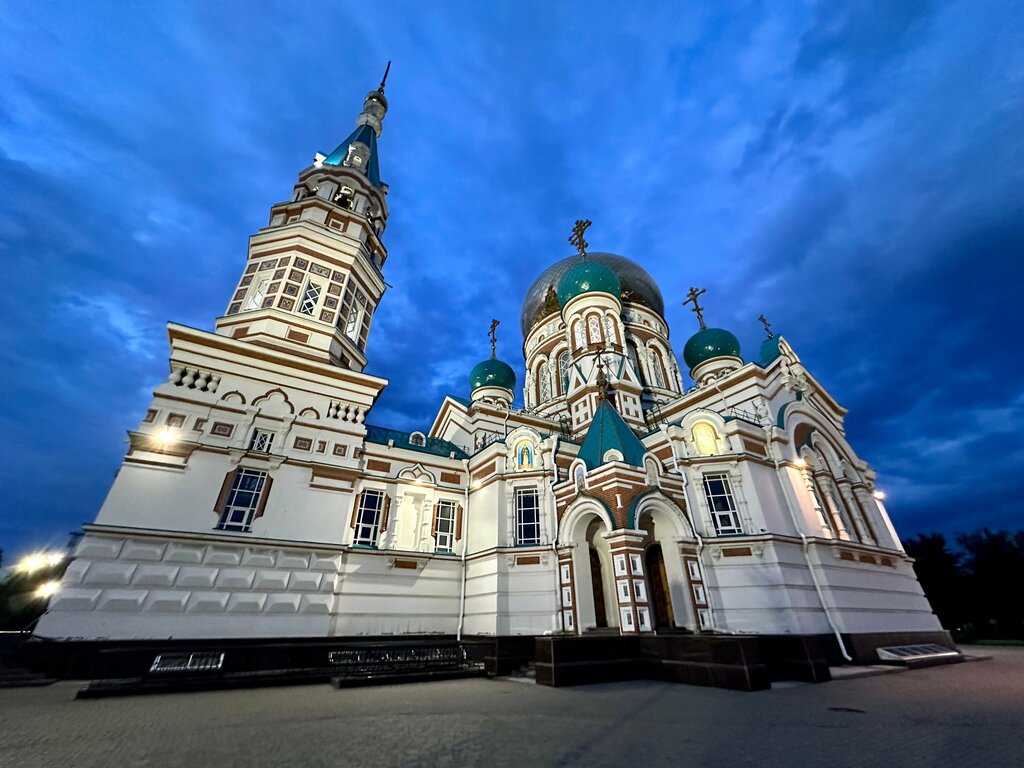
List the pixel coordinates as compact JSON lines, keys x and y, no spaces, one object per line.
{"x":767,"y":326}
{"x":691,"y":298}
{"x":494,"y":336}
{"x":385,"y":78}
{"x":577,"y":240}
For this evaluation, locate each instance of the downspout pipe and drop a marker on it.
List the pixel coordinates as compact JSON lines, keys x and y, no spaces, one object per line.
{"x":465,"y":549}
{"x":693,"y":527}
{"x":805,"y":542}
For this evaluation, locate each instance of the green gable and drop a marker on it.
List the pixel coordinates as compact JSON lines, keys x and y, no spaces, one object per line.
{"x":606,"y":432}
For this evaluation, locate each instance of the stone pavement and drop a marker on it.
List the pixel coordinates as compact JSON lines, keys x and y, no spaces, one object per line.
{"x":962,"y":715}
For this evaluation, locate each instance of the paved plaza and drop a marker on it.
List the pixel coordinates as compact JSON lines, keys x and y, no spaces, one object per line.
{"x":962,"y":715}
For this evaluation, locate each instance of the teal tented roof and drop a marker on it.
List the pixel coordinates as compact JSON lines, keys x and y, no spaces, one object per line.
{"x":608,"y":431}
{"x":432,"y":445}
{"x":363,"y":134}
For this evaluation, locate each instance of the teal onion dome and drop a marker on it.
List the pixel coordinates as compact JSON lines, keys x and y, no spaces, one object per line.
{"x":587,"y":277}
{"x":709,"y":343}
{"x":492,"y":373}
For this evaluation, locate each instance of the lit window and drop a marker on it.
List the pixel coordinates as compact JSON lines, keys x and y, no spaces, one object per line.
{"x":310,"y":298}
{"x":367,"y":522}
{"x":257,"y":294}
{"x":242,"y":501}
{"x":527,"y":517}
{"x":444,"y":525}
{"x":261,"y":441}
{"x":721,"y":504}
{"x":705,"y":438}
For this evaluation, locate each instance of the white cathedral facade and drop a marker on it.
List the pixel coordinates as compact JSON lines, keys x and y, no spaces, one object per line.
{"x":258,"y":500}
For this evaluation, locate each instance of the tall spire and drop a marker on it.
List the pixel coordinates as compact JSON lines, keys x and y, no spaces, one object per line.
{"x":359,"y":148}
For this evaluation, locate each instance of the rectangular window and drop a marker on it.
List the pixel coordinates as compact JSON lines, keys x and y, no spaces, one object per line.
{"x":261,"y":441}
{"x":368,"y":518}
{"x":721,"y":504}
{"x":310,"y":298}
{"x":257,"y":294}
{"x":527,"y":517}
{"x":242,"y":500}
{"x":444,"y":526}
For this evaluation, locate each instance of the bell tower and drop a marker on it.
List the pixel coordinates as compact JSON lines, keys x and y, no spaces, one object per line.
{"x":313,"y":277}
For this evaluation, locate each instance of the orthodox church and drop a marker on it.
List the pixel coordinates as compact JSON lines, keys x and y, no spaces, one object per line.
{"x":258,"y":499}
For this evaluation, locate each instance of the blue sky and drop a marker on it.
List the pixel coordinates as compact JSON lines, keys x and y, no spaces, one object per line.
{"x":854,"y":170}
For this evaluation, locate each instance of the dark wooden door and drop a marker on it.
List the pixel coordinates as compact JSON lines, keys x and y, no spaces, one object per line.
{"x":657,"y":581}
{"x":600,"y":616}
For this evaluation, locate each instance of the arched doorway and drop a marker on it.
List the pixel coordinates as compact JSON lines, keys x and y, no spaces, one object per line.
{"x":657,"y":582}
{"x":597,"y":587}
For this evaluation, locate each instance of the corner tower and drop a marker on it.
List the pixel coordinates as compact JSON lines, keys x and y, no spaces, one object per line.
{"x":313,"y":277}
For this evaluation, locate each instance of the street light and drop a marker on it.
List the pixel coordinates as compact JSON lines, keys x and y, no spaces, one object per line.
{"x":39,"y":561}
{"x":47,"y":589}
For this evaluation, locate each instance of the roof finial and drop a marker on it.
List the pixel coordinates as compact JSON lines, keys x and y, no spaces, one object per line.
{"x":602,"y":380}
{"x":494,"y":337}
{"x":577,"y":240}
{"x":767,"y":326}
{"x":691,"y":298}
{"x":385,"y":78}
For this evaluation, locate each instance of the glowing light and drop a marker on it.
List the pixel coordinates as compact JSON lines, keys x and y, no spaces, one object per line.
{"x":53,"y":559}
{"x":879,"y":495}
{"x":800,"y":462}
{"x":167,"y":436}
{"x":32,"y":563}
{"x":47,"y":589}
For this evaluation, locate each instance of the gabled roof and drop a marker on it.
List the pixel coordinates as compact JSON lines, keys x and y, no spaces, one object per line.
{"x":606,"y":432}
{"x":366,"y":135}
{"x":432,"y":445}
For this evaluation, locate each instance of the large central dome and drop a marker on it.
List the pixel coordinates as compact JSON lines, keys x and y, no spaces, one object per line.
{"x":638,"y":287}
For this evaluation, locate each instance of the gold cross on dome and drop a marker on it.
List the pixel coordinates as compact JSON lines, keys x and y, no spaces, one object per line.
{"x":691,"y":298}
{"x":767,"y":326}
{"x":493,"y":335}
{"x":577,"y":241}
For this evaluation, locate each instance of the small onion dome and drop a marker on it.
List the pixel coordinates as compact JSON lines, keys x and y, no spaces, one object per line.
{"x":586,"y":277}
{"x":492,"y":373}
{"x":709,"y":343}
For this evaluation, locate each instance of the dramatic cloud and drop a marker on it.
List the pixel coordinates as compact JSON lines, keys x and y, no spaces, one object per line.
{"x":855,"y":170}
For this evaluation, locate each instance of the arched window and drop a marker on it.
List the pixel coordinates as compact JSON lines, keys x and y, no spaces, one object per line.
{"x":705,"y":438}
{"x":609,"y":330}
{"x":658,"y":368}
{"x":544,"y":372}
{"x":417,"y":438}
{"x":593,"y":329}
{"x":577,"y":334}
{"x":581,"y":478}
{"x":563,"y":372}
{"x":635,"y":360}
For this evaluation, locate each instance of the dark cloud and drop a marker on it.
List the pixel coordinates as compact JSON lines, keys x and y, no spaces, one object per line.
{"x":853,"y":170}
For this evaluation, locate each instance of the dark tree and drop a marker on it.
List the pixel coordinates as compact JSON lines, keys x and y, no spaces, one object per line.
{"x":938,"y":570}
{"x":994,"y":566}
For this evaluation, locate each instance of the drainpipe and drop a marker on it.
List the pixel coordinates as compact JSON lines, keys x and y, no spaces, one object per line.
{"x":693,"y":527}
{"x":465,"y":549}
{"x":805,"y":547}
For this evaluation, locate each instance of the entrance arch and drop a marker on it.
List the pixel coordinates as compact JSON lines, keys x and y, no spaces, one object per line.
{"x":668,"y":584}
{"x":584,"y":527}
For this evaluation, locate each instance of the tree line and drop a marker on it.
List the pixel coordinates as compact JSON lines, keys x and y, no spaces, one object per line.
{"x":977,"y":587}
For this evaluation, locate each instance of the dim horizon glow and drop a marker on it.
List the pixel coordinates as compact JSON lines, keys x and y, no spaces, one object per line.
{"x":853,"y":171}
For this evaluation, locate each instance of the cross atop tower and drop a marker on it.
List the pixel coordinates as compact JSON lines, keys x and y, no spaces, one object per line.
{"x":767,"y":326}
{"x":385,"y":78}
{"x":494,"y":336}
{"x":577,"y":240}
{"x":691,"y":298}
